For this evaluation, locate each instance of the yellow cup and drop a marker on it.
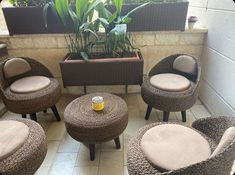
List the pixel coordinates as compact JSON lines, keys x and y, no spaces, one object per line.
{"x":97,"y":103}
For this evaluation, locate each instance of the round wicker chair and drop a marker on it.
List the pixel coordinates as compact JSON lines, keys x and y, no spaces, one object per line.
{"x":168,"y":101}
{"x":28,"y":158}
{"x":33,"y":102}
{"x":211,"y":128}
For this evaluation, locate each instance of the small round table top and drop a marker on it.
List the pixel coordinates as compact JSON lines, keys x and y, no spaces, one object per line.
{"x":81,"y":113}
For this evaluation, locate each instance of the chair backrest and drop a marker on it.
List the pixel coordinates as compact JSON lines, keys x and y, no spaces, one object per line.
{"x":15,"y":67}
{"x":186,"y":64}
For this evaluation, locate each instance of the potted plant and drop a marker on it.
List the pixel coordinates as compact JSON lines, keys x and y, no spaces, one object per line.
{"x":159,"y":15}
{"x":191,"y":22}
{"x":21,"y":16}
{"x":97,"y":59}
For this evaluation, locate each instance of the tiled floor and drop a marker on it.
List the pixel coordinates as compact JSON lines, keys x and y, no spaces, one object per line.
{"x":66,"y":156}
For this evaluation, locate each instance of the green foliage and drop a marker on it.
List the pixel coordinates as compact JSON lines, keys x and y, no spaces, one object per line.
{"x":151,"y":1}
{"x":116,"y":42}
{"x":24,"y":3}
{"x":80,"y":15}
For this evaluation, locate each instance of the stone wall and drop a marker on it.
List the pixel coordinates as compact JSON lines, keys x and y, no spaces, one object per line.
{"x":49,"y":49}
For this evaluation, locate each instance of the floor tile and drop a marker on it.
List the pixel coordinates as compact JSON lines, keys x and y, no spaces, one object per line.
{"x":63,"y":164}
{"x":110,"y":145}
{"x":69,"y":145}
{"x":56,"y":131}
{"x":42,"y":171}
{"x":189,"y":118}
{"x":199,"y":111}
{"x":83,"y":158}
{"x":85,"y":170}
{"x":52,"y":147}
{"x":125,"y":171}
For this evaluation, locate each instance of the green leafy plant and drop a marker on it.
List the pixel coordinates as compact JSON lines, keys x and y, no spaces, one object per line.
{"x":79,"y":17}
{"x":151,"y":1}
{"x":116,"y":42}
{"x":25,"y":3}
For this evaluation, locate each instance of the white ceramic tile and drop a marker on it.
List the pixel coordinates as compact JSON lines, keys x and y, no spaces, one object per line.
{"x":110,"y":145}
{"x":42,"y":171}
{"x":52,"y":147}
{"x":85,"y":170}
{"x":199,"y":111}
{"x":69,"y":145}
{"x":63,"y":164}
{"x":56,"y":131}
{"x":111,"y":163}
{"x":221,"y":32}
{"x":189,"y":118}
{"x":198,"y":3}
{"x":214,"y":102}
{"x":83,"y":158}
{"x":219,"y":72}
{"x":224,"y":4}
{"x":125,"y":171}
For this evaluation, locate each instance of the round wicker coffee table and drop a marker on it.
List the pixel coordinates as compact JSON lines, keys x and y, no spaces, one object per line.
{"x":87,"y":126}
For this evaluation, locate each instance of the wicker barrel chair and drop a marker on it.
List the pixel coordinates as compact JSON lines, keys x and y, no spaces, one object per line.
{"x":212,"y":129}
{"x":173,"y":101}
{"x":32,"y":101}
{"x":23,"y":147}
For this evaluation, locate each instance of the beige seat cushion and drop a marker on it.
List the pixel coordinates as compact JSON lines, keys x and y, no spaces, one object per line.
{"x":16,"y":66}
{"x":30,"y":84}
{"x":170,"y":82}
{"x":171,"y":146}
{"x":12,"y":136}
{"x":227,"y":138}
{"x":185,"y":63}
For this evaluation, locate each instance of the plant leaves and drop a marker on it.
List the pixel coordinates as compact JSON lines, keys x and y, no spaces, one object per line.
{"x":84,"y":56}
{"x":62,"y":8}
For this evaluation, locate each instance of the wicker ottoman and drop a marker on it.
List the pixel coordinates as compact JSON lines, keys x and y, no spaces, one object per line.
{"x":87,"y":126}
{"x":24,"y":151}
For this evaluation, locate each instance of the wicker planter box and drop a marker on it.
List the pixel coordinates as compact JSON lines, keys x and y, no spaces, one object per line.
{"x":157,"y":17}
{"x":29,"y":20}
{"x":108,"y":71}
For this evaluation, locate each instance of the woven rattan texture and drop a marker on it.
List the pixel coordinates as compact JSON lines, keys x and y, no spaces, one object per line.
{"x":86,"y":125}
{"x":27,"y":159}
{"x":218,"y":165}
{"x":30,"y":102}
{"x":171,"y":101}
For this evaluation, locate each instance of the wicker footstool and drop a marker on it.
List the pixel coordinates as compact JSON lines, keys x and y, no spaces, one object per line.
{"x":22,"y":147}
{"x":87,"y":126}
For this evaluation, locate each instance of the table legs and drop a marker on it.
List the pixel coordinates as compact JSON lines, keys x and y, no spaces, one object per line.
{"x":92,"y":148}
{"x":92,"y":151}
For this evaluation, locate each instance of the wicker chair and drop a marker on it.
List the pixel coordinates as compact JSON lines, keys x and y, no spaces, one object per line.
{"x":212,"y":128}
{"x":33,"y":102}
{"x":171,"y":101}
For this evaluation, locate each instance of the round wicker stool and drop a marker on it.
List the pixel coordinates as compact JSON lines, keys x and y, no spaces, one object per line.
{"x":24,"y":157}
{"x":85,"y":125}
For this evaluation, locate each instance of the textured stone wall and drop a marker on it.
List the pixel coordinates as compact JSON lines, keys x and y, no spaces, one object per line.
{"x":50,"y":49}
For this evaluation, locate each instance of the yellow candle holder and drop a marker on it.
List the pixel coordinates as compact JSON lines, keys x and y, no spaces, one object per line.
{"x":97,"y":103}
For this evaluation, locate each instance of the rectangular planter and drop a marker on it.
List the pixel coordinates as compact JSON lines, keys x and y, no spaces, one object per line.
{"x":111,"y":71}
{"x":157,"y":17}
{"x":29,"y":20}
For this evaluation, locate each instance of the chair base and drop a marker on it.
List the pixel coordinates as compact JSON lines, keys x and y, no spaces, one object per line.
{"x":166,"y":114}
{"x":33,"y":116}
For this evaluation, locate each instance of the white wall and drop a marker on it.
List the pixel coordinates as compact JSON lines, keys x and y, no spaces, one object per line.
{"x":218,"y":58}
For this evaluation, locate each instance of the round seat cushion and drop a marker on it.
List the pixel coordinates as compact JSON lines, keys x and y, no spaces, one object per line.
{"x":170,"y":82}
{"x":172,"y":146}
{"x":30,"y":84}
{"x":12,"y":136}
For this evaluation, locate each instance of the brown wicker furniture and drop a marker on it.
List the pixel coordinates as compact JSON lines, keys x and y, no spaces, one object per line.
{"x":211,"y":128}
{"x":31,"y":102}
{"x":28,"y":157}
{"x":172,"y":101}
{"x":85,"y":125}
